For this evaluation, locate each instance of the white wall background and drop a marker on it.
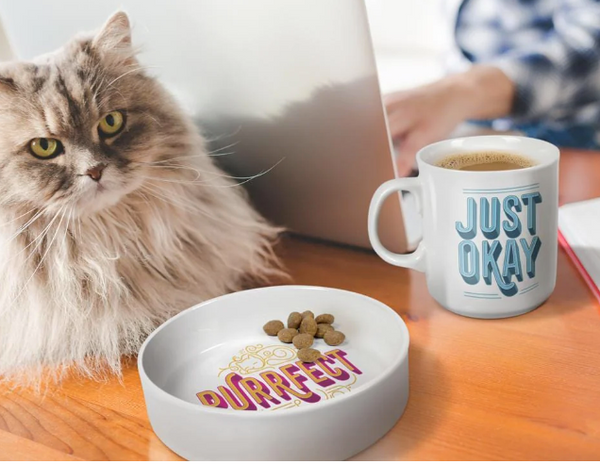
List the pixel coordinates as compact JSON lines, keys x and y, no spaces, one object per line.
{"x":416,"y":25}
{"x":412,"y":39}
{"x":6,"y":53}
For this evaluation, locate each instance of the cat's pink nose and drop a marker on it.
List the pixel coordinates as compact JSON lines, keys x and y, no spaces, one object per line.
{"x":95,"y":172}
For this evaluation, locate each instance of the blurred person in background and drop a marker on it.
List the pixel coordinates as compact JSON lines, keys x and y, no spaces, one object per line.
{"x":535,"y":69}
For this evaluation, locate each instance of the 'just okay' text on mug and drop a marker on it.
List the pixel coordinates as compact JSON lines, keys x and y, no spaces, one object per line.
{"x":494,"y":218}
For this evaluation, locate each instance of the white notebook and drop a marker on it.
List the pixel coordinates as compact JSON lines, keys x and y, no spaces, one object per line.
{"x":579,"y":225}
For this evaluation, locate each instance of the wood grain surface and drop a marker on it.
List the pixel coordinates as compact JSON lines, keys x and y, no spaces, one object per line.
{"x":521,"y":388}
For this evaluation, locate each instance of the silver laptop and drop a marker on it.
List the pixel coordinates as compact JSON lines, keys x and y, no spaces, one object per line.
{"x":286,"y":92}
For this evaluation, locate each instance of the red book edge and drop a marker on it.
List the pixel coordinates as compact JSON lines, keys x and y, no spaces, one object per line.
{"x":582,"y":270}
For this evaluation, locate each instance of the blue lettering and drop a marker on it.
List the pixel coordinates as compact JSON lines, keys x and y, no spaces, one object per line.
{"x":481,"y":261}
{"x":531,"y":253}
{"x":490,"y":221}
{"x":512,"y":262}
{"x":531,"y":200}
{"x":470,"y":231}
{"x":468,"y":262}
{"x":490,"y":254}
{"x":512,"y":226}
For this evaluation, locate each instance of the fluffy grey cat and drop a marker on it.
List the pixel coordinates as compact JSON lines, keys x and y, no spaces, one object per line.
{"x":113,"y":216}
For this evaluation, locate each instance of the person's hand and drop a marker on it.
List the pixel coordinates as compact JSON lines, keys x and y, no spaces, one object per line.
{"x":430,"y":113}
{"x":422,"y":116}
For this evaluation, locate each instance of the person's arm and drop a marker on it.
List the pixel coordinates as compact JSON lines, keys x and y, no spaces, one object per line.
{"x":550,"y":79}
{"x":429,"y":113}
{"x":558,"y":76}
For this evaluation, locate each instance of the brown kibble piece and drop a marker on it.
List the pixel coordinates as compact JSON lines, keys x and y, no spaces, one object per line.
{"x":334,"y":338}
{"x":325,"y":319}
{"x":273,"y":327}
{"x":308,"y":355}
{"x":294,"y":320}
{"x":309,"y":326}
{"x":322,"y":329}
{"x":287,"y":335}
{"x":308,"y":314}
{"x":303,"y":341}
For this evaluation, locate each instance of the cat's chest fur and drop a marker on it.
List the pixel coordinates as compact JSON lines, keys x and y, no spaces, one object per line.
{"x":129,"y":253}
{"x":97,"y":285}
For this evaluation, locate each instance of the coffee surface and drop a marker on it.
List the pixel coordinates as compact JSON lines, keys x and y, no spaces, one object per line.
{"x":485,"y":161}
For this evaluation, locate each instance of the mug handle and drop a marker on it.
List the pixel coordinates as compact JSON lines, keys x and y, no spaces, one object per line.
{"x":414,"y":260}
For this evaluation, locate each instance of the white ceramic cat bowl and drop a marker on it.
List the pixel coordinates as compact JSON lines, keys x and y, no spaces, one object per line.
{"x":218,"y":388}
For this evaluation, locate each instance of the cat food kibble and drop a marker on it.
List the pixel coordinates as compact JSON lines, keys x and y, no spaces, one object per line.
{"x":273,"y":327}
{"x":308,"y":355}
{"x":325,"y":319}
{"x":334,"y":338}
{"x":294,"y":320}
{"x":302,"y":329}
{"x":308,"y":314}
{"x":287,"y":335}
{"x":308,"y":326}
{"x":303,"y":341}
{"x":322,"y":329}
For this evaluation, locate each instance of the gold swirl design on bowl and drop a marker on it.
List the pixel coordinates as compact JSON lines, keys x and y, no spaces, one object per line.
{"x":336,"y":390}
{"x":288,"y":405}
{"x":257,"y":358}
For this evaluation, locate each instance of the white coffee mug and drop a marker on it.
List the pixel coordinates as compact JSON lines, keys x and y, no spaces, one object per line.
{"x":489,"y":241}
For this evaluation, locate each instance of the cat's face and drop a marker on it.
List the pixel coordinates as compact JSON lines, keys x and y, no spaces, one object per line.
{"x":78,"y":127}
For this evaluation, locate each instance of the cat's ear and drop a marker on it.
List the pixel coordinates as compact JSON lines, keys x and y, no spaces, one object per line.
{"x":9,"y":87}
{"x":115,"y":35}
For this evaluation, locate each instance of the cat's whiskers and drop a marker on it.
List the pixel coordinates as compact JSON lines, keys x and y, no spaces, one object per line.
{"x":211,"y":154}
{"x":136,"y":69}
{"x":108,"y":97}
{"x":225,"y":147}
{"x":18,"y":217}
{"x":38,"y":240}
{"x":244,"y":179}
{"x":216,"y":138}
{"x":24,"y":227}
{"x":216,"y":155}
{"x":166,"y":167}
{"x":147,"y":114}
{"x":97,"y":89}
{"x":177,"y":167}
{"x":197,"y":170}
{"x":182,"y":182}
{"x":161,"y":164}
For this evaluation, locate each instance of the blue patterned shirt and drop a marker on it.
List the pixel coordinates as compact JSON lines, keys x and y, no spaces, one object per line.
{"x":550,"y":49}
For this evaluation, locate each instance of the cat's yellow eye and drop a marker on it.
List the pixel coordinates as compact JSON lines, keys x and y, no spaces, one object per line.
{"x":45,"y":148}
{"x":111,"y":124}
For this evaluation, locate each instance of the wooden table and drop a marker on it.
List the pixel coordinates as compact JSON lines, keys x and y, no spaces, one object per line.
{"x":521,"y":388}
